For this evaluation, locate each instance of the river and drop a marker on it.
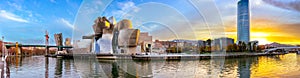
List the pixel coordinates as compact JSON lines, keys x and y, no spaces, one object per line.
{"x":287,"y":65}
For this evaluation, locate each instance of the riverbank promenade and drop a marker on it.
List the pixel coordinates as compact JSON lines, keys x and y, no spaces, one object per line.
{"x":166,"y":56}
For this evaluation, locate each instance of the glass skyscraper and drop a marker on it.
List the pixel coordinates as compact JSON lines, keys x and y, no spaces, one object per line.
{"x":243,"y":22}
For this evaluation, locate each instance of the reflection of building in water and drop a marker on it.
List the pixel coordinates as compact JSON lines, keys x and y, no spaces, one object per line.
{"x":90,"y":68}
{"x":67,"y":66}
{"x":244,"y":65}
{"x":46,"y":67}
{"x":130,"y":68}
{"x":5,"y":72}
{"x":58,"y":67}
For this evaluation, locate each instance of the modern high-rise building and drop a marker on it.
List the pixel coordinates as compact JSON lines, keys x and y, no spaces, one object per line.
{"x":243,"y":22}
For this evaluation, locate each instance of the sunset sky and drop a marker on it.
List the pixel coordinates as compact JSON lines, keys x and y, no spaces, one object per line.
{"x":271,"y":20}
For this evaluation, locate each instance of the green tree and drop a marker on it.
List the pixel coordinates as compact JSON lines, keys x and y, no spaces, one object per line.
{"x":208,"y":41}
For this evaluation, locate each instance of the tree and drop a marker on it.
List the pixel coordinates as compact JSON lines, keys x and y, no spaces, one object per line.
{"x":235,"y":48}
{"x":208,"y":41}
{"x":244,"y":46}
{"x":239,"y":46}
{"x":254,"y":46}
{"x":230,"y":48}
{"x":203,"y":47}
{"x":249,"y":47}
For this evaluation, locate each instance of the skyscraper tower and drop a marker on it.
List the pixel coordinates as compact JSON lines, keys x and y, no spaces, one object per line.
{"x":243,"y":22}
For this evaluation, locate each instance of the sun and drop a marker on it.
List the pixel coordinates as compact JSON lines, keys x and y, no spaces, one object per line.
{"x":261,"y":37}
{"x":261,"y":41}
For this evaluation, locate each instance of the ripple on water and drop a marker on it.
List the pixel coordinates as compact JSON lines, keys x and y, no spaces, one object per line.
{"x":265,"y":66}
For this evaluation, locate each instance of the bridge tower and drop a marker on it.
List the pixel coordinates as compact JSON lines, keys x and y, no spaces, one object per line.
{"x":47,"y":42}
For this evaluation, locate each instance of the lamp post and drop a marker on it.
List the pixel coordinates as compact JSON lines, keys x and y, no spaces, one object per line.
{"x":3,"y":59}
{"x":3,"y":48}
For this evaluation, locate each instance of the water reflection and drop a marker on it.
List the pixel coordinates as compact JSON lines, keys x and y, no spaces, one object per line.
{"x":58,"y":68}
{"x":46,"y":67}
{"x":244,"y":65}
{"x":266,"y":66}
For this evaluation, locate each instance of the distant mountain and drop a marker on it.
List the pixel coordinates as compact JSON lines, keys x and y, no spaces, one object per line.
{"x":275,"y":44}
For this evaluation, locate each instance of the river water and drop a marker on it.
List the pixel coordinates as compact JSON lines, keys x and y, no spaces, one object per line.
{"x":287,"y":65}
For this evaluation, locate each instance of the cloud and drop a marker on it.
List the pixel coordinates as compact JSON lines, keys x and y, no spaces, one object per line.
{"x":289,"y":5}
{"x":18,"y":7}
{"x":92,"y":7}
{"x":128,"y":6}
{"x":12,"y":16}
{"x":269,"y":30}
{"x":53,"y":1}
{"x":66,"y":23}
{"x":124,"y":8}
{"x":98,"y":2}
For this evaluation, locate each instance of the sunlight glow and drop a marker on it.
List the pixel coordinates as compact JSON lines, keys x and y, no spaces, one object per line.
{"x":261,"y":41}
{"x":257,"y":2}
{"x":259,"y":34}
{"x":261,"y":37}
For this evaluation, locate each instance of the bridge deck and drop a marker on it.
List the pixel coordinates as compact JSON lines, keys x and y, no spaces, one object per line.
{"x":20,"y":45}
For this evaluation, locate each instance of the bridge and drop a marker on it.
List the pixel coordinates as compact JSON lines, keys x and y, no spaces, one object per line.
{"x":49,"y":46}
{"x":281,"y":48}
{"x":19,"y":46}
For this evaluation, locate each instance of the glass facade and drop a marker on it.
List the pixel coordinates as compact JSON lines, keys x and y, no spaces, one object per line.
{"x":243,"y":22}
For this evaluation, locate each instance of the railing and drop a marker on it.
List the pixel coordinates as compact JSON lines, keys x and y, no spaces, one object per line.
{"x":20,"y":45}
{"x":273,"y":49}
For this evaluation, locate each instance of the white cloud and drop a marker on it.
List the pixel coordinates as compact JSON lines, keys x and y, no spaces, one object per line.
{"x":53,"y":1}
{"x":91,"y":7}
{"x":98,"y":2}
{"x":12,"y":16}
{"x":125,"y":7}
{"x":18,"y":7}
{"x":65,"y":22}
{"x":128,"y":6}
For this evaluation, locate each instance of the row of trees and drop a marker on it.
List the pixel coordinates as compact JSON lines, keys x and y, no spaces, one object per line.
{"x":239,"y":47}
{"x":206,"y":47}
{"x":244,"y":47}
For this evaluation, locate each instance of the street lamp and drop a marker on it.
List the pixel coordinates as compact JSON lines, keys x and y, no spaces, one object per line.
{"x":3,"y":49}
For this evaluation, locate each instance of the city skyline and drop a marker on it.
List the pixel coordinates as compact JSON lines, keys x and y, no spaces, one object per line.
{"x":271,"y":20}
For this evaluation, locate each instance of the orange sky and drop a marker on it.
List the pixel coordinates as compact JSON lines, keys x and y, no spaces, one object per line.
{"x":267,"y":31}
